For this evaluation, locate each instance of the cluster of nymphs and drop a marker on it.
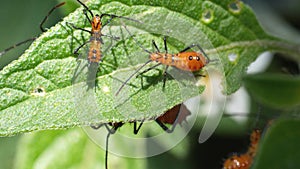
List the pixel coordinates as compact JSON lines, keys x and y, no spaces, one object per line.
{"x":244,"y":161}
{"x":185,"y":60}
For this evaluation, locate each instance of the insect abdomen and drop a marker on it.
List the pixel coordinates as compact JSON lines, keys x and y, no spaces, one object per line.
{"x":94,"y":55}
{"x":187,"y":61}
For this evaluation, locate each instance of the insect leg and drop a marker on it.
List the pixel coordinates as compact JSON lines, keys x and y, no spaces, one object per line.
{"x":106,"y":150}
{"x":199,"y":47}
{"x":97,"y":126}
{"x":165,"y":43}
{"x":110,"y":132}
{"x":75,"y":27}
{"x":149,"y":69}
{"x":165,"y":128}
{"x":135,"y":128}
{"x":165,"y":71}
{"x":154,"y":44}
{"x":79,"y":47}
{"x":132,"y":76}
{"x":190,"y":47}
{"x":165,"y":76}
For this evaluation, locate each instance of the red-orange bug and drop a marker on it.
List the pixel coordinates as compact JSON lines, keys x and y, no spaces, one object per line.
{"x":244,"y":161}
{"x":254,"y":139}
{"x":94,"y":53}
{"x":184,"y":60}
{"x":174,"y":116}
{"x":41,"y":27}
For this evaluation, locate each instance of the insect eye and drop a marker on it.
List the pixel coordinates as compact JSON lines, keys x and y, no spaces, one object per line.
{"x":190,"y":57}
{"x":198,"y":58}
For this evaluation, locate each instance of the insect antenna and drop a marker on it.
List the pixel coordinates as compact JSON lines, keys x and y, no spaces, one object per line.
{"x":33,"y":38}
{"x":16,"y":45}
{"x":139,"y":67}
{"x":112,"y":16}
{"x":49,"y":13}
{"x":139,"y":44}
{"x":132,"y":76}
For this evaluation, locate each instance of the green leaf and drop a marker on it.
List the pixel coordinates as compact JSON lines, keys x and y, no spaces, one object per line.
{"x":8,"y":150}
{"x":37,"y":93}
{"x":280,"y":144}
{"x":274,"y":90}
{"x":65,"y":149}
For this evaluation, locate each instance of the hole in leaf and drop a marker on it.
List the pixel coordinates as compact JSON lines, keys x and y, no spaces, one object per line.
{"x":207,"y":16}
{"x":39,"y":91}
{"x":232,"y":57}
{"x":234,"y":7}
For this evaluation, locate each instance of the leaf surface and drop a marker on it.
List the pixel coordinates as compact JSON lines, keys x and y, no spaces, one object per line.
{"x":37,"y":91}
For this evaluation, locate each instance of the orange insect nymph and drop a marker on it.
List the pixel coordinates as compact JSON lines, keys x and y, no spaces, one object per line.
{"x":254,"y":138}
{"x":187,"y":61}
{"x":177,"y":114}
{"x":244,"y":161}
{"x":238,"y":162}
{"x":184,"y":60}
{"x":94,"y":54}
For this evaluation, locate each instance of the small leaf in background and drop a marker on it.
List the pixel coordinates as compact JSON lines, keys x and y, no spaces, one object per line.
{"x":279,"y":147}
{"x":274,"y":90}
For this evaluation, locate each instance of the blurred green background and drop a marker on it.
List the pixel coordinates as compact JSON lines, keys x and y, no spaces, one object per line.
{"x":20,"y":20}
